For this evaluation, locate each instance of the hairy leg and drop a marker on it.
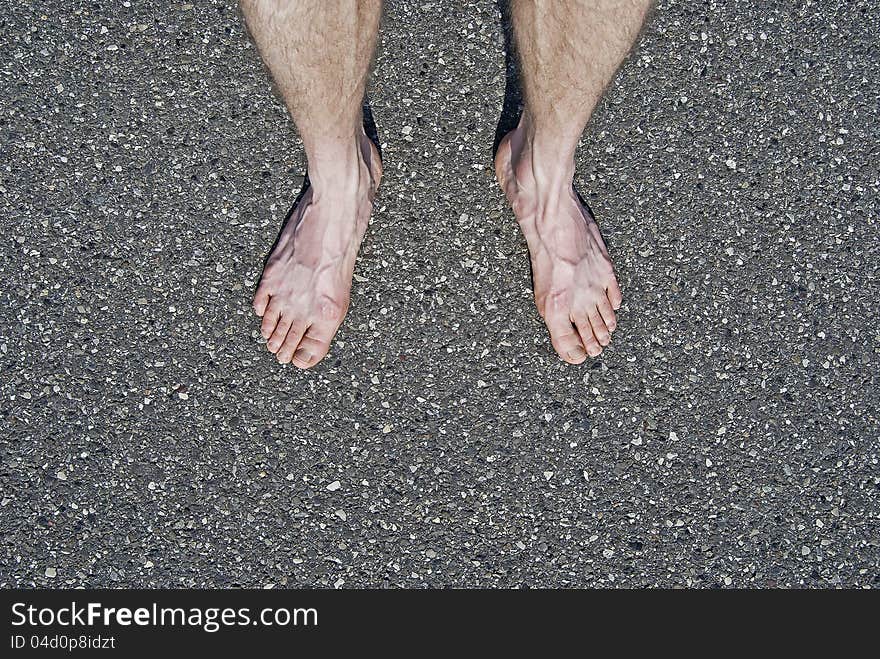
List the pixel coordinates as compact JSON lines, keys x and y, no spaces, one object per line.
{"x":319,"y":53}
{"x":569,"y":51}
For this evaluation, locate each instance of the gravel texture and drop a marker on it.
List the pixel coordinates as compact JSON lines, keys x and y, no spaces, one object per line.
{"x":728,"y":437}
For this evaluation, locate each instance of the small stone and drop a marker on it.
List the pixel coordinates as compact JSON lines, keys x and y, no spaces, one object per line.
{"x":335,"y":485}
{"x":431,"y":553}
{"x":61,"y":475}
{"x":548,"y":475}
{"x":341,"y":515}
{"x":51,"y":572}
{"x":805,"y":551}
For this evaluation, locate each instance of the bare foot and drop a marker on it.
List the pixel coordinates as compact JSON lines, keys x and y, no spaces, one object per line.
{"x":305,"y":289}
{"x":575,"y":287}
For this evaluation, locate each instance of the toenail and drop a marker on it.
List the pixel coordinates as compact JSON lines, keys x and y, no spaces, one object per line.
{"x":303,"y":355}
{"x":577,"y":353}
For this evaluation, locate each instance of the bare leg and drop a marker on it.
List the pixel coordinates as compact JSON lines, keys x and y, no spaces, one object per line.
{"x":319,"y":53}
{"x":569,"y":51}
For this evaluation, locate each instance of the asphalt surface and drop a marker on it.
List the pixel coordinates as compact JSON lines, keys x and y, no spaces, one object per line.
{"x":728,"y":437}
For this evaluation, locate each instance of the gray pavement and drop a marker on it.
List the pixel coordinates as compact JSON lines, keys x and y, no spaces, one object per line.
{"x":729,"y":437}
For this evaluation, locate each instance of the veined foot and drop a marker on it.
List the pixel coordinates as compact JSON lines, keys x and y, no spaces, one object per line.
{"x":575,"y":288}
{"x":305,"y":289}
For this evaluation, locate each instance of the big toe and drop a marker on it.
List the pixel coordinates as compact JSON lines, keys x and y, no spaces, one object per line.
{"x":313,"y":346}
{"x":566,"y":340}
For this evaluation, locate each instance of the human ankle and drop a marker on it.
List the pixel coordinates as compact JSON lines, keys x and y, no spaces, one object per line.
{"x":336,"y":165}
{"x":545,"y":158}
{"x":549,"y":172}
